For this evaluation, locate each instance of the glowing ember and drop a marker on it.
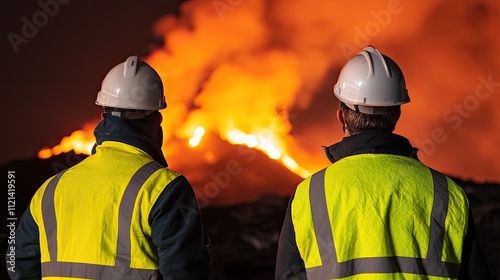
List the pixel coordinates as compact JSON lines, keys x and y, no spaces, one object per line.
{"x":237,"y":137}
{"x":210,"y":157}
{"x":198,"y":134}
{"x":269,"y":144}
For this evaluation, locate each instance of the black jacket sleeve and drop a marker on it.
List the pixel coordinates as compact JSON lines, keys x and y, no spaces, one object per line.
{"x":289,"y":264}
{"x":474,"y":264}
{"x":26,"y":262}
{"x":178,"y":233}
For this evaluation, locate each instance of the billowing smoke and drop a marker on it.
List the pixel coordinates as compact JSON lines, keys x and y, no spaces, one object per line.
{"x":260,"y":73}
{"x":261,"y":64}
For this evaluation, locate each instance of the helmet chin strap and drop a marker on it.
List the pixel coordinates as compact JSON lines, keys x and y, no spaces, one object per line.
{"x":116,"y":114}
{"x":131,"y":114}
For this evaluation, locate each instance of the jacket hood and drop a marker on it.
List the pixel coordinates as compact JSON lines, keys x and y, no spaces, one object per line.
{"x":371,"y":142}
{"x":145,"y":134}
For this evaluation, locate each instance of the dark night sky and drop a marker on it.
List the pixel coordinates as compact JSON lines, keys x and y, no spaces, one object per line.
{"x":49,"y":85}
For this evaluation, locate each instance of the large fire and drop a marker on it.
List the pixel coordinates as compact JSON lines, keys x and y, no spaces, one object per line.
{"x":259,"y":73}
{"x":80,"y":141}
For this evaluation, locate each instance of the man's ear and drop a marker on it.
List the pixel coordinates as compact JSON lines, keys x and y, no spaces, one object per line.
{"x":340,"y":117}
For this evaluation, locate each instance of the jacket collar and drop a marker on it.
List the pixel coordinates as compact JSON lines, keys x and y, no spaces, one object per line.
{"x":371,"y":142}
{"x":145,"y":134}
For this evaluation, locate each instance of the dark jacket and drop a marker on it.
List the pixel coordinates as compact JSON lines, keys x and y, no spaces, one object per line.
{"x":289,"y":264}
{"x":174,"y":206}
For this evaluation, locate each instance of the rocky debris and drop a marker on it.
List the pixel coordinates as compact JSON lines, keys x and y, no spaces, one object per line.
{"x":244,"y":236}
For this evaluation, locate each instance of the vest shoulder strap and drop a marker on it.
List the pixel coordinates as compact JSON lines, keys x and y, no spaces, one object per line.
{"x":331,"y":268}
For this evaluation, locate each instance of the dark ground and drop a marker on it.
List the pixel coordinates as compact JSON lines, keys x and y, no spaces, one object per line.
{"x":244,"y":236}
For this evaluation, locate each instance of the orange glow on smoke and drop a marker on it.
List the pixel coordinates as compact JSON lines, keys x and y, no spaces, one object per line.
{"x":249,"y":72}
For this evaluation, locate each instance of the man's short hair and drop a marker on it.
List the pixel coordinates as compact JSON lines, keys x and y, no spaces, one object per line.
{"x":357,"y":122}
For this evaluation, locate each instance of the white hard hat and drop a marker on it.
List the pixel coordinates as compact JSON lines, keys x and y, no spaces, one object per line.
{"x":132,"y":84}
{"x":370,"y":82}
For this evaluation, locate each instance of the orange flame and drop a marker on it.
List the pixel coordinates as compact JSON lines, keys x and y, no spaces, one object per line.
{"x":80,"y":141}
{"x":238,"y":69}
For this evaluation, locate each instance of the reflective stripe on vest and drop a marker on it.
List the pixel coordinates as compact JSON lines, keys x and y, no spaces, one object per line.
{"x":122,"y":269}
{"x":331,"y":268}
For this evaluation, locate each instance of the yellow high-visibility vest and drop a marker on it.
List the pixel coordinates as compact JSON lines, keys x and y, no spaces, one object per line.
{"x":380,"y":216}
{"x":93,"y":217}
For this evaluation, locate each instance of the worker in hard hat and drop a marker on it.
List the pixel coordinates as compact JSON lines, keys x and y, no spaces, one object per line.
{"x":377,"y":212}
{"x":120,"y":213}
